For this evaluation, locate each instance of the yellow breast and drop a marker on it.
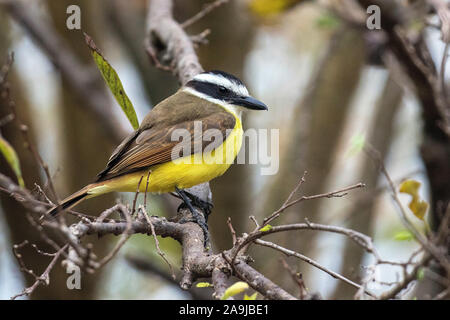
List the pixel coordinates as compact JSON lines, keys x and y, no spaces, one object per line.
{"x":184,"y":172}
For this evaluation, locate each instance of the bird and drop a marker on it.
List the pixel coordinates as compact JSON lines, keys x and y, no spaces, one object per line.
{"x":153,"y":159}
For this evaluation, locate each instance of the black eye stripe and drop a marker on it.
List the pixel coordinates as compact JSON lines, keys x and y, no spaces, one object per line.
{"x":224,"y":90}
{"x":212,"y":90}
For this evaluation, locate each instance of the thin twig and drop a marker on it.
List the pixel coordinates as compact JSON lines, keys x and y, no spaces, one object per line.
{"x":158,"y":249}
{"x":393,"y":292}
{"x":146,"y":189}
{"x":24,"y":129}
{"x":207,"y":9}
{"x":311,"y":262}
{"x":136,"y":195}
{"x":127,"y":232}
{"x":333,"y":194}
{"x":442,"y":75}
{"x":297,"y":277}
{"x":19,"y":259}
{"x":233,"y":232}
{"x":44,"y":278}
{"x":402,"y":212}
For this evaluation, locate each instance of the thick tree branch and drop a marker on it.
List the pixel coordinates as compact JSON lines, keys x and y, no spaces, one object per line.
{"x":167,"y":38}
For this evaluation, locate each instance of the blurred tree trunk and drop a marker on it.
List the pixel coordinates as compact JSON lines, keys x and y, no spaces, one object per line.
{"x":317,"y":125}
{"x":17,"y":224}
{"x":361,"y":218}
{"x":329,"y":105}
{"x":85,"y":150}
{"x":228,"y":46}
{"x":435,"y":145}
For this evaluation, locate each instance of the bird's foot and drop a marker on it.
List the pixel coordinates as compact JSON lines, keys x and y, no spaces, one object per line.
{"x":206,"y":206}
{"x":196,"y":217}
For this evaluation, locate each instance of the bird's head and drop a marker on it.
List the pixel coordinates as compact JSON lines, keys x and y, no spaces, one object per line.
{"x":224,"y":89}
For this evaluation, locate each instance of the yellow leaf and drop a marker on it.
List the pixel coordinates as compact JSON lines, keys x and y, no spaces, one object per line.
{"x":113,"y":81}
{"x":13,"y":160}
{"x":410,"y":187}
{"x":418,"y":207}
{"x":234,"y":289}
{"x":252,"y":297}
{"x":267,"y":227}
{"x":204,"y":285}
{"x":266,"y":8}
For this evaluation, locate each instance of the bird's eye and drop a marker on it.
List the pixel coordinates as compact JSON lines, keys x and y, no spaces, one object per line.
{"x":222,"y":89}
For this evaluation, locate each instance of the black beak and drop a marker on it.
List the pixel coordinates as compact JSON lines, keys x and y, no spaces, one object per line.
{"x":248,"y":102}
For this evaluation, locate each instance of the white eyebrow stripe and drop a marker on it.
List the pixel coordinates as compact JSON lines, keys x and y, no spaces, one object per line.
{"x":222,"y":81}
{"x":229,"y":107}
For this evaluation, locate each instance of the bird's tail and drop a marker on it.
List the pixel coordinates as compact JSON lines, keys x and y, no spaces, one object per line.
{"x":69,"y":202}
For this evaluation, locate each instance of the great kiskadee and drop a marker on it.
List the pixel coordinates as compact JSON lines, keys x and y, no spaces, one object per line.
{"x":215,"y":99}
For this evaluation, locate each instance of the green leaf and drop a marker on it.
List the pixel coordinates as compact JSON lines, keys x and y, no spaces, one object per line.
{"x":404,"y":235}
{"x":356,"y":144}
{"x":113,"y":81}
{"x":420,"y":274}
{"x":204,"y":285}
{"x":327,"y":21}
{"x":252,"y":297}
{"x":267,"y":227}
{"x":234,"y":289}
{"x":13,"y":160}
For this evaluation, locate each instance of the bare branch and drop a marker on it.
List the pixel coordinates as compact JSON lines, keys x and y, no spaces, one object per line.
{"x":219,"y":279}
{"x":167,"y":37}
{"x":207,"y":9}
{"x":297,"y":278}
{"x":44,"y":278}
{"x":392,"y":293}
{"x":5,"y":91}
{"x":311,"y":262}
{"x":443,"y":12}
{"x":404,"y":217}
{"x":260,"y":283}
{"x":288,"y":203}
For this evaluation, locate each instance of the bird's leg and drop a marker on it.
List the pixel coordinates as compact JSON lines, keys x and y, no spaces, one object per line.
{"x":199,"y":219}
{"x":206,"y":206}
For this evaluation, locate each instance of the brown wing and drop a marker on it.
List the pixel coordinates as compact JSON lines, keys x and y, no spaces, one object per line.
{"x":154,"y":141}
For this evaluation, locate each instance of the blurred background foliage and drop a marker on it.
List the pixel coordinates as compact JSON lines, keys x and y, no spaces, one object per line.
{"x":318,"y":78}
